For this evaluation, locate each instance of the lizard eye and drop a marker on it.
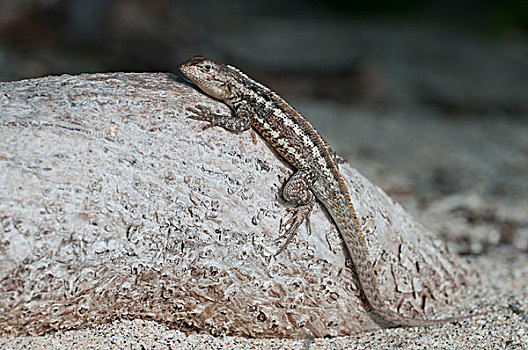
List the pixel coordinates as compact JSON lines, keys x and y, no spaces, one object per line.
{"x":207,"y":67}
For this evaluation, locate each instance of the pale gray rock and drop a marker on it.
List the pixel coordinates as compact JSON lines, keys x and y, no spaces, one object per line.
{"x":115,"y":205}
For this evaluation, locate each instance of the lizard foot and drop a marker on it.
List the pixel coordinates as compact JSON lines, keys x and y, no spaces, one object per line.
{"x":301,"y":212}
{"x":203,"y":113}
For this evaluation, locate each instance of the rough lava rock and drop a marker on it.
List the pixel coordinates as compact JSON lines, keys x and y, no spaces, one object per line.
{"x":114,"y":204}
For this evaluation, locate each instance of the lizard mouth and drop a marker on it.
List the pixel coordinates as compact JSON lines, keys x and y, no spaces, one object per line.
{"x":191,"y":68}
{"x":187,"y":69}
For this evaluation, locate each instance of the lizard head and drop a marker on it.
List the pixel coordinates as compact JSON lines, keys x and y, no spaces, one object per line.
{"x":208,"y":75}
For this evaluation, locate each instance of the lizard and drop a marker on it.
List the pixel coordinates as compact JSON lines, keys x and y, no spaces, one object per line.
{"x":317,"y":174}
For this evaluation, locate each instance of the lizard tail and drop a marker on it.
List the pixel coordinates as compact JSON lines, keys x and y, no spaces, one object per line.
{"x":348,"y":224}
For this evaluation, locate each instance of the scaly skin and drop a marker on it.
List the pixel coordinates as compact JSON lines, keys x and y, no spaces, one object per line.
{"x":300,"y":144}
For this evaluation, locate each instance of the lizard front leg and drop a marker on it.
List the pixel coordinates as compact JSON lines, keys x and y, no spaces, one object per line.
{"x":240,"y":121}
{"x":298,"y":191}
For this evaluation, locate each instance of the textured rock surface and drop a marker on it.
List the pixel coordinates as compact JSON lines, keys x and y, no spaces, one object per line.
{"x":114,"y":205}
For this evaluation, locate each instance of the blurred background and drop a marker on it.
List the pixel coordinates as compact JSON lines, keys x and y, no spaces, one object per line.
{"x":428,"y":99}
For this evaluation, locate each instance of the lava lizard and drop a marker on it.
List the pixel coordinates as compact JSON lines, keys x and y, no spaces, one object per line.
{"x":317,"y":176}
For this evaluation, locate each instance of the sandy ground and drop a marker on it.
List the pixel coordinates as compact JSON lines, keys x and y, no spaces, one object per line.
{"x":504,"y":325}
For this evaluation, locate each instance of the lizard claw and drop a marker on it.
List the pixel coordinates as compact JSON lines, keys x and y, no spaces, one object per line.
{"x":202,"y":113}
{"x":300,"y":213}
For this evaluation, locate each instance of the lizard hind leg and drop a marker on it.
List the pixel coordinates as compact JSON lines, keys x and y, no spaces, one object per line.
{"x":298,"y":191}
